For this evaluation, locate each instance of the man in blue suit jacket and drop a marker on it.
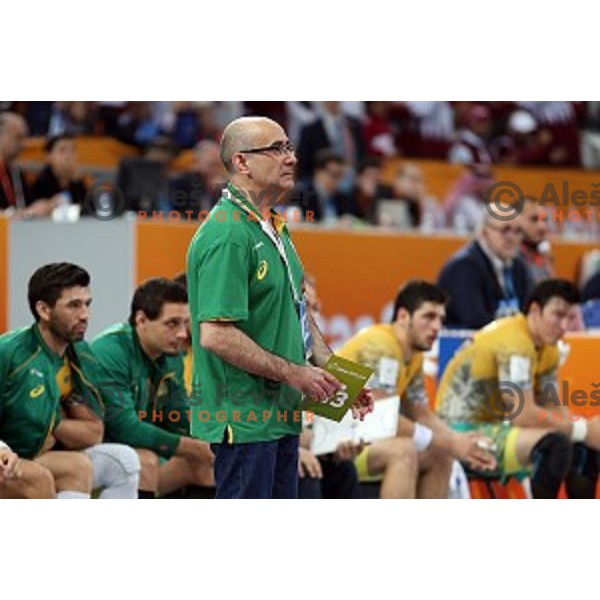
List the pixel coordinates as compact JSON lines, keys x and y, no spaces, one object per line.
{"x":486,"y":279}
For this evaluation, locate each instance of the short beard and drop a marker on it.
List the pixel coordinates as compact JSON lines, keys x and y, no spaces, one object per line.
{"x":65,"y":336}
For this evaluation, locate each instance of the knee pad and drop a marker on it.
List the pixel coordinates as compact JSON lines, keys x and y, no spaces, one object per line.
{"x":553,"y":453}
{"x":116,"y":457}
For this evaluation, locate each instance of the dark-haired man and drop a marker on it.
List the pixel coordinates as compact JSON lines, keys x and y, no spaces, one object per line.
{"x":503,"y":384}
{"x":147,"y":403}
{"x":51,"y":405}
{"x":319,"y":197}
{"x":418,"y":461}
{"x":60,"y":175}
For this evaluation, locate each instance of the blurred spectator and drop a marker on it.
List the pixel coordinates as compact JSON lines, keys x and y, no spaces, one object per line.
{"x":187,"y":126}
{"x":522,"y":143}
{"x":409,"y":187}
{"x":320,"y":198}
{"x":471,"y":142}
{"x":73,"y":118}
{"x":591,"y":291}
{"x":486,"y":279}
{"x":536,"y":251}
{"x":333,"y":129}
{"x":426,"y":128}
{"x":377,"y":131}
{"x":61,"y":174}
{"x":299,"y":114}
{"x":214,"y":116}
{"x":590,"y":136}
{"x":14,"y":192}
{"x":138,"y":124}
{"x":464,"y":204}
{"x":560,"y":120}
{"x":369,"y":189}
{"x":199,"y":188}
{"x":109,"y":113}
{"x":16,"y":197}
{"x":211,"y":119}
{"x":37,"y":115}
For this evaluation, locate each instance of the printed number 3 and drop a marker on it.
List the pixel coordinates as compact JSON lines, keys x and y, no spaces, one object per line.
{"x":338,"y":400}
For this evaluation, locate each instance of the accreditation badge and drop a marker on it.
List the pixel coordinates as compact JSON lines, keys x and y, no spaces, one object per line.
{"x":304,"y":324}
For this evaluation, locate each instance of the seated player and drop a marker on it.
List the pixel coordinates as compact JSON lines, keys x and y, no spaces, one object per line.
{"x":418,"y":461}
{"x":50,"y":391}
{"x":503,"y":384}
{"x":147,"y":406}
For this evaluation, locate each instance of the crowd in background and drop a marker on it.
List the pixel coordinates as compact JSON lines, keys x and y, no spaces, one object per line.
{"x":342,"y":150}
{"x":525,"y":133}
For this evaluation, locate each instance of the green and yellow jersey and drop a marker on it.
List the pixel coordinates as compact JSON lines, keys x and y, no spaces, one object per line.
{"x":502,"y":354}
{"x":34,"y":379}
{"x":377,"y":347}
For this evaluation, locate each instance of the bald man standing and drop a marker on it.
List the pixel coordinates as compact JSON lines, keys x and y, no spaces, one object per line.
{"x":251,"y":334}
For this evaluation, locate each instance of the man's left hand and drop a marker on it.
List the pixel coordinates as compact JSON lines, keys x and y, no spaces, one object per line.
{"x":364,"y":404}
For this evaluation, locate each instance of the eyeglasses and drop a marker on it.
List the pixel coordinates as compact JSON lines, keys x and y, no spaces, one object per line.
{"x":507,"y":229}
{"x":278,"y":148}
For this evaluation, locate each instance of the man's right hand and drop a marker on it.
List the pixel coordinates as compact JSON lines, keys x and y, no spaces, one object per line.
{"x":9,"y":465}
{"x":309,"y":465}
{"x":313,"y":382}
{"x":195,"y":450}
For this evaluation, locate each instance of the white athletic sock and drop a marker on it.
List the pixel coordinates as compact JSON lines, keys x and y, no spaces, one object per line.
{"x":66,"y":495}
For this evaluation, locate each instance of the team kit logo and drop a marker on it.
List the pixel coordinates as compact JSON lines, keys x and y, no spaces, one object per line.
{"x":263,"y":267}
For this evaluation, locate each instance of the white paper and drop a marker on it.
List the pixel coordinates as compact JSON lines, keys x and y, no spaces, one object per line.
{"x":381,"y":424}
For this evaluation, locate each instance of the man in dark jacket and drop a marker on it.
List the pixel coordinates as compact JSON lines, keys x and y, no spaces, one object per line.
{"x":333,"y":130}
{"x":486,"y":279}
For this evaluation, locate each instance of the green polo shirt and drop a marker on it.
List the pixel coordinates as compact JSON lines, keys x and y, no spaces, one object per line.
{"x":146,"y":403}
{"x":235,"y":273}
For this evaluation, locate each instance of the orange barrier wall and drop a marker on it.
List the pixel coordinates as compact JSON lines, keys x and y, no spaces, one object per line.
{"x":4,"y":225}
{"x":440,"y":177}
{"x":357,"y":273}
